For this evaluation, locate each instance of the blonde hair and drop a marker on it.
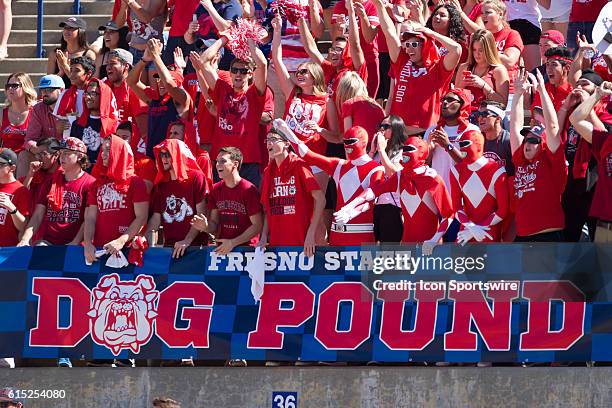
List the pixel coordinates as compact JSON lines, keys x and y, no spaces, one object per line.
{"x":28,"y":88}
{"x":318,"y":77}
{"x":500,"y":7}
{"x":486,"y":39}
{"x":351,"y":85}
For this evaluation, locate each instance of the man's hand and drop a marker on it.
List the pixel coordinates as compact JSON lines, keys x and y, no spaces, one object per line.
{"x":310,"y":242}
{"x":23,"y":243}
{"x":440,"y":137}
{"x":179,"y":60}
{"x":180,"y":247}
{"x":521,"y":83}
{"x":428,"y":247}
{"x":603,"y":90}
{"x":114,"y":246}
{"x":200,"y":222}
{"x":90,"y":253}
{"x":6,"y":203}
{"x":147,"y":57}
{"x":61,"y":125}
{"x":227,"y":246}
{"x":155,"y":47}
{"x":345,"y":214}
{"x":263,"y":242}
{"x":281,"y":126}
{"x":34,"y":167}
{"x":193,"y":28}
{"x":277,"y":24}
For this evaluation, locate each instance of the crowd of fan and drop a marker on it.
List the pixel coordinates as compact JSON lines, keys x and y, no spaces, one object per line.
{"x":410,"y":129}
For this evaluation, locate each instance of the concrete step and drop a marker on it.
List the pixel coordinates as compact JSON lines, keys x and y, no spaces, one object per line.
{"x":51,"y":22}
{"x":10,"y":65}
{"x":49,"y":36}
{"x":62,"y":7}
{"x":26,"y":50}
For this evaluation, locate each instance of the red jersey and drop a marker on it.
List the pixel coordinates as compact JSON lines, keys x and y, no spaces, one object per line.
{"x":424,"y":201}
{"x":238,"y":117}
{"x":13,"y":136}
{"x":370,"y":50}
{"x":538,"y":187}
{"x":557,"y":95}
{"x":586,"y":10}
{"x":176,"y":202}
{"x":116,"y":209}
{"x":20,"y":197}
{"x":286,"y":195}
{"x":507,"y":38}
{"x":60,"y":227}
{"x":207,"y":121}
{"x":417,"y":107}
{"x":365,"y":113}
{"x":235,"y":206}
{"x":601,"y":206}
{"x":300,"y":109}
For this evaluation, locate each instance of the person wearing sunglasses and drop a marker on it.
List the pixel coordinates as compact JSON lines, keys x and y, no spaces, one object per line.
{"x":99,"y":119}
{"x":541,"y":170}
{"x":425,"y":202}
{"x":20,"y":98}
{"x":290,"y":195}
{"x":420,"y":75}
{"x":491,"y":114}
{"x":240,"y":107}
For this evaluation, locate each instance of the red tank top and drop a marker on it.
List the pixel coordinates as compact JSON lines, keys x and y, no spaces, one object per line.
{"x":13,"y":136}
{"x":477,"y":92}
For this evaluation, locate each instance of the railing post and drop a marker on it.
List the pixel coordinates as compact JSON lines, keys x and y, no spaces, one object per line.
{"x":39,"y":31}
{"x":77,"y":7}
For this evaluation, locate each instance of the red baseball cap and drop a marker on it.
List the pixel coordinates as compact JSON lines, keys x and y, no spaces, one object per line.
{"x":74,"y":144}
{"x":554,"y":36}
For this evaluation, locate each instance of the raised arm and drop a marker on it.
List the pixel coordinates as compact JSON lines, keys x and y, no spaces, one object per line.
{"x":133,"y":79}
{"x":553,"y":137}
{"x":220,"y":23}
{"x":521,"y":85}
{"x":354,"y":43}
{"x":316,"y":24}
{"x":309,"y":42}
{"x":284,"y":79}
{"x":451,"y":59}
{"x":208,"y":70}
{"x":260,"y":75}
{"x":388,"y":29}
{"x":579,"y":117}
{"x":469,"y":25}
{"x":146,"y":15}
{"x":368,"y":29}
{"x":178,"y":94}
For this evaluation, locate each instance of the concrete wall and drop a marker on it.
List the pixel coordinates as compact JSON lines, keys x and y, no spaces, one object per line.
{"x":320,"y":387}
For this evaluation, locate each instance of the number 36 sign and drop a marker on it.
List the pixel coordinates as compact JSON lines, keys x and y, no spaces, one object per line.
{"x":284,"y":399}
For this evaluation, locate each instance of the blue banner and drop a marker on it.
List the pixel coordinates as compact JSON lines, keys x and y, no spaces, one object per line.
{"x":496,"y":303}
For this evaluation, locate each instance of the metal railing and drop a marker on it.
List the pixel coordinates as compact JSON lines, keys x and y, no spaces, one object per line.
{"x":40,"y":52}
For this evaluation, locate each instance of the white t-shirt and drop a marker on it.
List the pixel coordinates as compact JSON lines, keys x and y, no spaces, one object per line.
{"x":557,"y":9}
{"x":441,"y":161}
{"x":519,"y":9}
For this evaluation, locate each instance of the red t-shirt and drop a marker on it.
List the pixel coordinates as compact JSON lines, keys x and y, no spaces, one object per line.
{"x":365,"y":113}
{"x":128,"y":107}
{"x":538,"y":187}
{"x":20,"y":197}
{"x":557,"y":95}
{"x":176,"y":202}
{"x":333,"y":76}
{"x":207,"y":121}
{"x":238,"y":117}
{"x":300,"y":109}
{"x":601,"y":206}
{"x":288,"y":200}
{"x":586,"y":10}
{"x":370,"y":50}
{"x":418,"y":91}
{"x":235,"y":206}
{"x":13,"y":136}
{"x":39,"y":180}
{"x":115,"y":209}
{"x":183,"y":13}
{"x":264,"y":128}
{"x":507,"y":38}
{"x":60,"y":227}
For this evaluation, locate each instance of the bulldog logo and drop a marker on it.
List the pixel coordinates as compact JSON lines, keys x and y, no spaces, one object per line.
{"x":122,"y":312}
{"x":177,"y":209}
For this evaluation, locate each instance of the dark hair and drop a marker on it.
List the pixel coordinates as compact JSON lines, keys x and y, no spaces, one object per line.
{"x":455,"y":25}
{"x":127,"y":125}
{"x":560,"y":51}
{"x":84,"y":161}
{"x":165,"y":402}
{"x":123,"y":42}
{"x":81,"y":39}
{"x":249,"y":64}
{"x":86,"y":62}
{"x":51,"y":143}
{"x":177,"y":123}
{"x":398,"y":133}
{"x":493,"y":103}
{"x":235,"y":154}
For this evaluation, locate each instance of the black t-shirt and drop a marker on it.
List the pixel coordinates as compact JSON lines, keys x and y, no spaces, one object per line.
{"x":90,"y":135}
{"x":500,"y":151}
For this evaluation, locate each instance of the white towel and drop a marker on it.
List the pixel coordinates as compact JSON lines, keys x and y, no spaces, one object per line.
{"x":256,"y":270}
{"x":117,"y":261}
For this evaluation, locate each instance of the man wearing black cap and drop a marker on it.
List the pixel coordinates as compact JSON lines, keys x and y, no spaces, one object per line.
{"x":14,"y":200}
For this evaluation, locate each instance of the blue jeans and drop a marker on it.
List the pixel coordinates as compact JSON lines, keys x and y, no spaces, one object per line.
{"x":585,"y":28}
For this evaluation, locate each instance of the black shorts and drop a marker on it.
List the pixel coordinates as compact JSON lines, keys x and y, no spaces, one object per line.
{"x":384,"y":65}
{"x":530,"y":34}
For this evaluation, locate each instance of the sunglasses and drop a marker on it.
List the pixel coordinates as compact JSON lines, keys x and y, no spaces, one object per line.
{"x":13,"y":86}
{"x":412,"y":44}
{"x":243,"y":71}
{"x":164,"y":155}
{"x":302,"y":71}
{"x":485,"y":114}
{"x":384,"y":126}
{"x":533,"y":140}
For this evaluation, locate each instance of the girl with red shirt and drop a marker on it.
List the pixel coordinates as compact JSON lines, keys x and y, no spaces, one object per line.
{"x":508,"y":41}
{"x":20,"y":96}
{"x":483,"y":74}
{"x":356,"y":107}
{"x":541,"y":169}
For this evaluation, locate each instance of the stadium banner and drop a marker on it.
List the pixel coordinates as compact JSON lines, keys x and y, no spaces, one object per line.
{"x":494,"y":303}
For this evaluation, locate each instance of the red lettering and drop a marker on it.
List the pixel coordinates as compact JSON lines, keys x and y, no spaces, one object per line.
{"x":199,"y":315}
{"x":492,"y":324}
{"x":327,"y":316}
{"x":271,"y":316}
{"x":49,"y":291}
{"x":538,"y":335}
{"x":391,"y":333}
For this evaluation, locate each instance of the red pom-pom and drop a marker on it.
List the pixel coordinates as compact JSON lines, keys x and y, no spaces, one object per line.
{"x":240,"y":33}
{"x":291,"y":10}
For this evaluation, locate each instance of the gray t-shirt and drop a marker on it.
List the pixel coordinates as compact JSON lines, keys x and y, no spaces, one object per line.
{"x":500,"y":151}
